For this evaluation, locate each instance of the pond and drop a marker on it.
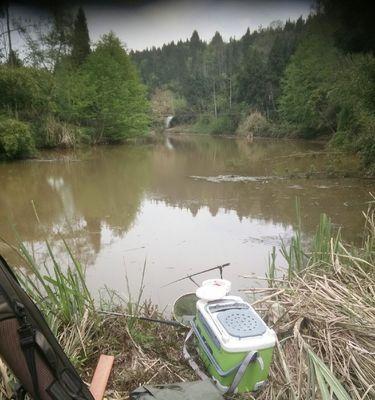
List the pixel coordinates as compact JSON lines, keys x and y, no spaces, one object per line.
{"x":119,"y":206}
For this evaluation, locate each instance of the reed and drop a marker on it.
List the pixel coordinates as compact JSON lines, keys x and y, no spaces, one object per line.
{"x":271,"y":272}
{"x":294,"y":253}
{"x":325,"y":319}
{"x":60,"y":291}
{"x":324,"y":242}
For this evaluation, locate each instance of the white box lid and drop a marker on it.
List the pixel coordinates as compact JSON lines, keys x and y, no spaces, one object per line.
{"x":239,"y":330}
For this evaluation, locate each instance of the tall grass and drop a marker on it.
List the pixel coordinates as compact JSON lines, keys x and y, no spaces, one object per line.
{"x":61,"y":293}
{"x":271,"y":272}
{"x":294,"y":253}
{"x":326,"y":316}
{"x":323,"y":243}
{"x":133,"y":306}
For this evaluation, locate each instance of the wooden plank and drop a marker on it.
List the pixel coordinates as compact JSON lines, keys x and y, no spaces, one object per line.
{"x":101,"y":376}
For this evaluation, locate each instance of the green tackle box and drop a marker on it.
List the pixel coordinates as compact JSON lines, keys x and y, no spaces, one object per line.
{"x":234,"y":344}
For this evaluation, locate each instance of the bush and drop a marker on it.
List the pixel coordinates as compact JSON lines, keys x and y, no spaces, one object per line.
{"x":254,"y":124}
{"x":16,"y":140}
{"x":307,"y":84}
{"x":221,"y":125}
{"x":25,"y":91}
{"x":366,"y":148}
{"x":353,"y":95}
{"x":365,"y":144}
{"x":52,"y":132}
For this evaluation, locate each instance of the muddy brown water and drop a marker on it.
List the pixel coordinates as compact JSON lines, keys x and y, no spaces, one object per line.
{"x":189,"y":203}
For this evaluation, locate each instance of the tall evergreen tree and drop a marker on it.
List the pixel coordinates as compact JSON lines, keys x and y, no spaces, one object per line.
{"x":80,"y":39}
{"x":110,"y":94}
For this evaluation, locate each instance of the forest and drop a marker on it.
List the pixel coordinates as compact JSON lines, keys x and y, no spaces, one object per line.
{"x":311,"y":78}
{"x":63,"y":93}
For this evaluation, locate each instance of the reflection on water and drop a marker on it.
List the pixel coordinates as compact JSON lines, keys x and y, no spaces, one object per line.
{"x":119,"y":205}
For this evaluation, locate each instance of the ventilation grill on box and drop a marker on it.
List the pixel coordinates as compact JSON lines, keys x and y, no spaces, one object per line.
{"x":241,"y":323}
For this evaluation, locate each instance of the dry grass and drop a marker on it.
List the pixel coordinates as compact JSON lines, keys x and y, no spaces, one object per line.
{"x":334,"y":313}
{"x":327,"y":308}
{"x":148,"y":353}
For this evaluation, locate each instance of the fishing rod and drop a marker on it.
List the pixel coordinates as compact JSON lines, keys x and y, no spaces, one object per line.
{"x":219,"y":267}
{"x":148,"y":319}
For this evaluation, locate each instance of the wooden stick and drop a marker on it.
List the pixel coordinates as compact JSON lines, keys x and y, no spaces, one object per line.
{"x":267,"y":297}
{"x":101,"y":376}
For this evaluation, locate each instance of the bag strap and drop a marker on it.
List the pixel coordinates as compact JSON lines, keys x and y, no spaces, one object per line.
{"x":33,"y":341}
{"x":190,"y":360}
{"x":28,"y":344}
{"x":7,"y":267}
{"x":26,"y":334}
{"x":250,"y":357}
{"x":19,"y":392}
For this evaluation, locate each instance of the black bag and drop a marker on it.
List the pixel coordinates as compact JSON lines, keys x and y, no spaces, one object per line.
{"x":30,"y":349}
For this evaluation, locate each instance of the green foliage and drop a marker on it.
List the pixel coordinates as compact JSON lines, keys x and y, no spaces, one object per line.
{"x":49,"y":42}
{"x":353,"y":95}
{"x":110,"y":95}
{"x":219,"y":73}
{"x":297,"y":75}
{"x":61,"y":292}
{"x":16,"y":140}
{"x":251,"y":80}
{"x":334,"y":94}
{"x":306,"y":85}
{"x":222,"y":125}
{"x":103,"y":98}
{"x":325,"y":241}
{"x":25,"y":91}
{"x":300,"y":76}
{"x":354,"y":24}
{"x":327,"y":381}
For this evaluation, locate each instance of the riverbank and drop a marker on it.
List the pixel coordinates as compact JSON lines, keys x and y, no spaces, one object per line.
{"x":340,"y":162}
{"x":321,"y":307}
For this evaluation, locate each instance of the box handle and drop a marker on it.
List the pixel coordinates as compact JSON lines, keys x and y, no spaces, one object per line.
{"x":251,"y":357}
{"x":241,"y":368}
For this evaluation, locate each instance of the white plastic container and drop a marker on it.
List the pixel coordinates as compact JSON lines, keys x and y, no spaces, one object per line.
{"x":213,"y":289}
{"x":218,"y":282}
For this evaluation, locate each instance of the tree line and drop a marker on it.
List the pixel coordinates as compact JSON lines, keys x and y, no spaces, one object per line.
{"x":63,"y":90}
{"x":307,"y":78}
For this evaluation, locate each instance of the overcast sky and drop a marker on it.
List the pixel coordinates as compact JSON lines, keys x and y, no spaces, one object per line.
{"x":160,"y":22}
{"x":153,"y":23}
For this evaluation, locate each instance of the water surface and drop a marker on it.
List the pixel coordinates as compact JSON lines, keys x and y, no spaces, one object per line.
{"x":168,"y":203}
